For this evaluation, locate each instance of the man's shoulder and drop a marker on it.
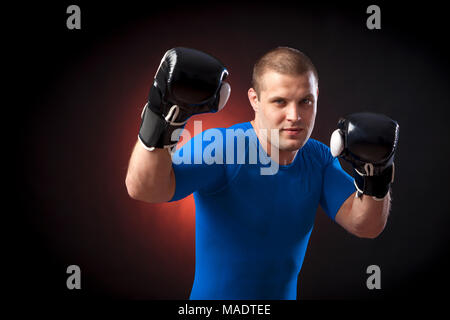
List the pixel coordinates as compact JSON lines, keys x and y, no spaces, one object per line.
{"x":316,"y":144}
{"x":317,"y":150}
{"x":219,"y":140}
{"x":241,"y":125}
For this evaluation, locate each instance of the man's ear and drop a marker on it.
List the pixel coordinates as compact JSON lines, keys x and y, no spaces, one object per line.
{"x":253,"y":98}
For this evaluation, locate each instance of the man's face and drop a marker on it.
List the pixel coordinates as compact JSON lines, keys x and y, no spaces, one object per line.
{"x":287,"y":103}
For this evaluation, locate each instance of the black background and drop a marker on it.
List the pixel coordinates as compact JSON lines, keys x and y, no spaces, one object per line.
{"x":67,"y":109}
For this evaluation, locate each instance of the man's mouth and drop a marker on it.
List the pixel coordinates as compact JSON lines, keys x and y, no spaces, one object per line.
{"x":292,"y":131}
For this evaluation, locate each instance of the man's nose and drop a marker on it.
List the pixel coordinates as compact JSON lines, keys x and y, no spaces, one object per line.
{"x":292,"y":113}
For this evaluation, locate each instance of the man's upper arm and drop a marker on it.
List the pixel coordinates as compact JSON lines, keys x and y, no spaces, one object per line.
{"x":337,"y":187}
{"x":192,"y":171}
{"x":343,"y":215}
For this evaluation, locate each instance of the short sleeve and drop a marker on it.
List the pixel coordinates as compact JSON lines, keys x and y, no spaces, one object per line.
{"x":199,"y":164}
{"x":337,"y":185}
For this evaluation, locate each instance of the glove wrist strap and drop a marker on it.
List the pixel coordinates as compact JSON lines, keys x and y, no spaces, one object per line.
{"x":375,"y":185}
{"x":159,"y":132}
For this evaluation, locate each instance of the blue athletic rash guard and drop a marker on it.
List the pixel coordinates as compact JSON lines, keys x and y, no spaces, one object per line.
{"x":252,"y":230}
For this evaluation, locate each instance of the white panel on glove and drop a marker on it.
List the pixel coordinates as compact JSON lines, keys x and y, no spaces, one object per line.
{"x":225,"y":92}
{"x":336,"y":143}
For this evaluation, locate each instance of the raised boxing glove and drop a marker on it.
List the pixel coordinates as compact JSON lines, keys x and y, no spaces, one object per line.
{"x":368,"y":141}
{"x":187,"y":82}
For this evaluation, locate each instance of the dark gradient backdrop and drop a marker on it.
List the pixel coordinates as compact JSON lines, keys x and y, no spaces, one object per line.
{"x":76,"y":113}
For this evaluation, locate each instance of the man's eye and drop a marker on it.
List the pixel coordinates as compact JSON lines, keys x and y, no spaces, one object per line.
{"x":279,"y":101}
{"x":306,"y":101}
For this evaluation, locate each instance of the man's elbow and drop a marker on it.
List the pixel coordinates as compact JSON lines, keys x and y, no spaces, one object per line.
{"x":132,"y":189}
{"x":369,"y":233}
{"x":137,"y":192}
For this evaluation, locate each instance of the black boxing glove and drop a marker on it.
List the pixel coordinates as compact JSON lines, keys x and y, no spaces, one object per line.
{"x":368,"y":141}
{"x":187,"y":82}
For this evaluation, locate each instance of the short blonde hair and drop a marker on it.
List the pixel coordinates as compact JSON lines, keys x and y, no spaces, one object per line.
{"x":284,"y":60}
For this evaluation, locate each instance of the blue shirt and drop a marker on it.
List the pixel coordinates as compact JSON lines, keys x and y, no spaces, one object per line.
{"x":252,"y":229}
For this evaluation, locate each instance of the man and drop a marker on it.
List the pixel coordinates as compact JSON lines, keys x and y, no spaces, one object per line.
{"x":252,"y":229}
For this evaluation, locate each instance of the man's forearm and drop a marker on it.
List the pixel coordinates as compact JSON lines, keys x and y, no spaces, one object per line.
{"x":370,"y":216}
{"x":150,"y":176}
